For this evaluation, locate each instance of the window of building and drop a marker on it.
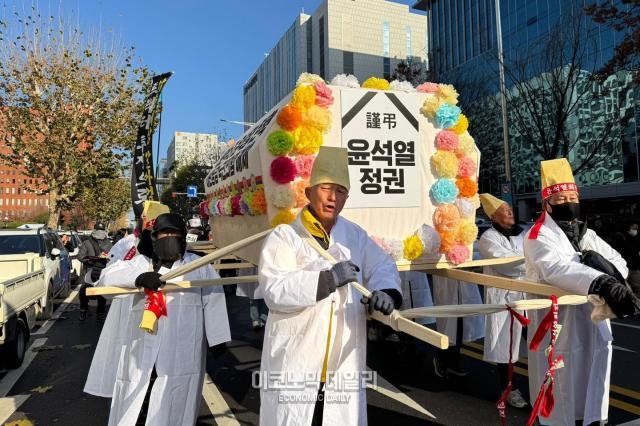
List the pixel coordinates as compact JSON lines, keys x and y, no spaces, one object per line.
{"x":13,"y":190}
{"x":321,"y":45}
{"x":408,"y":36}
{"x":13,"y":201}
{"x":347,"y":62}
{"x":309,"y":45}
{"x":386,"y":62}
{"x":13,"y":180}
{"x":18,"y":191}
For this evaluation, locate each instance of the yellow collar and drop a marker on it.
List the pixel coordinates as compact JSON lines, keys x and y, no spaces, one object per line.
{"x":314,"y":227}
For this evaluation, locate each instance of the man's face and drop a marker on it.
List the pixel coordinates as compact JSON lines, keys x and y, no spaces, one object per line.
{"x":562,"y":198}
{"x":327,"y":200}
{"x":504,"y":216}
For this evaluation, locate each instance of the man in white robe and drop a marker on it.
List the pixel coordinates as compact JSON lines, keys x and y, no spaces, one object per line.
{"x":177,"y":349}
{"x":504,"y":239}
{"x":555,"y":251}
{"x":313,"y":360}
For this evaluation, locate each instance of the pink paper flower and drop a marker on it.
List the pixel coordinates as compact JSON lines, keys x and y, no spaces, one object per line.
{"x":466,"y":167}
{"x":447,"y":140}
{"x":458,"y":254}
{"x":428,"y":88}
{"x":304,"y":163}
{"x":324,"y":95}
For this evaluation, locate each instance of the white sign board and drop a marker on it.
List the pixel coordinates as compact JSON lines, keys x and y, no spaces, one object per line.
{"x":382,"y":136}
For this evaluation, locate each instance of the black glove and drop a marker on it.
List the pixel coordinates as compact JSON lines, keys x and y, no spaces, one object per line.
{"x":597,"y":261}
{"x":618,"y":296}
{"x":95,"y":274}
{"x":379,"y":301}
{"x":340,"y":274}
{"x":149,"y":280}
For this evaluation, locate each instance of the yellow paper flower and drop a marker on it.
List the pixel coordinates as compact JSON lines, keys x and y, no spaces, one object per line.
{"x":467,"y":233}
{"x":430,"y":106}
{"x":283,"y":217}
{"x":303,"y":97}
{"x":461,"y":126}
{"x":317,"y":117}
{"x":413,"y":247}
{"x":466,"y":145}
{"x":445,"y":164}
{"x":307,"y":139}
{"x":308,"y":78}
{"x":376,"y":83}
{"x":448,"y":93}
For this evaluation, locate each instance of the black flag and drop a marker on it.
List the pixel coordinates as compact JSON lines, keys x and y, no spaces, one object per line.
{"x":143,"y":182}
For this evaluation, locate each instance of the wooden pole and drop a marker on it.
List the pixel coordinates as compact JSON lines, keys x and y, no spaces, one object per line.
{"x":172,"y":286}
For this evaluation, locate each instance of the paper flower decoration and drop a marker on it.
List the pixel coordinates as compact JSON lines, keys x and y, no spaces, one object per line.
{"x":345,"y":80}
{"x":466,"y":145}
{"x":279,"y":143}
{"x":462,"y":125}
{"x":447,"y":115}
{"x":376,"y":83}
{"x":413,"y":248}
{"x":466,"y":206}
{"x":235,"y":205}
{"x":447,"y":241}
{"x":283,"y":197}
{"x":430,"y":106}
{"x":467,"y":233}
{"x":445,"y":164}
{"x":396,"y":247}
{"x":258,"y":205}
{"x":324,"y":95}
{"x":428,"y":88}
{"x":283,"y":170}
{"x":244,"y":207}
{"x":458,"y":254}
{"x":467,"y":187}
{"x":444,"y":191}
{"x":430,"y":239}
{"x":228,"y":207}
{"x":446,"y":140}
{"x":446,"y":218}
{"x":289,"y":118}
{"x":303,"y":97}
{"x":304,"y":164}
{"x":448,"y":93}
{"x":381,"y":243}
{"x":466,"y":167}
{"x":403,"y":86}
{"x":318,"y":118}
{"x":283,"y":217}
{"x":307,"y":140}
{"x":301,"y":196}
{"x":309,"y":78}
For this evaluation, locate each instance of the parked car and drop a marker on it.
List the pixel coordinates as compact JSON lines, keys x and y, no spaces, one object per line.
{"x":52,"y":257}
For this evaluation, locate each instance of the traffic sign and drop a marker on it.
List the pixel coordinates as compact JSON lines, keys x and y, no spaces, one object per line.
{"x":192,"y":191}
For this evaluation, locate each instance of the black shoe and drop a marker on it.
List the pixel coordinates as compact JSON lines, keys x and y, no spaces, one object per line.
{"x":457,"y":371}
{"x":100,"y":316}
{"x":83,"y":314}
{"x":439,"y":368}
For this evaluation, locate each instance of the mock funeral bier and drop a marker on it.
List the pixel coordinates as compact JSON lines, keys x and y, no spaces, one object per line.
{"x":413,"y":167}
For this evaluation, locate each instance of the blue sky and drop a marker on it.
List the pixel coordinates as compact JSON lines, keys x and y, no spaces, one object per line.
{"x":212,"y":46}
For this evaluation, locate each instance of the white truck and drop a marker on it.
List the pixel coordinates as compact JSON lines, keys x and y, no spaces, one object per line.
{"x":34,"y":268}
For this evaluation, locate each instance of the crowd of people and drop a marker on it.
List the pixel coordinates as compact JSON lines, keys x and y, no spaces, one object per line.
{"x":150,"y":356}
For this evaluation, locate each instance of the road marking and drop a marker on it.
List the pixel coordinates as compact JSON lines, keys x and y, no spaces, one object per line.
{"x":12,"y":376}
{"x":624,"y":406}
{"x":621,"y":324}
{"x":9,"y":405}
{"x":635,"y":422}
{"x":217,"y":405}
{"x":44,"y":329}
{"x":620,"y":348}
{"x":626,"y":392}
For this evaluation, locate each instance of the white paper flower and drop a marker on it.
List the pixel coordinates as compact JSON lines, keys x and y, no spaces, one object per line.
{"x":466,"y":206}
{"x":308,"y":78}
{"x":403,"y":86}
{"x":396,"y":247}
{"x":283,"y":197}
{"x":345,"y":80}
{"x":430,"y":239}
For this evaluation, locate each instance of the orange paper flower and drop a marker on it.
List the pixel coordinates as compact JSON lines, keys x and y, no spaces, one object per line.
{"x":467,"y":187}
{"x":289,"y":118}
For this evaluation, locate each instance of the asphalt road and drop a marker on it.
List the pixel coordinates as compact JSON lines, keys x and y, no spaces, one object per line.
{"x":49,"y":389}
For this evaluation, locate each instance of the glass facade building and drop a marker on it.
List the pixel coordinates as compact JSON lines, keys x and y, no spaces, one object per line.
{"x":463,"y":51}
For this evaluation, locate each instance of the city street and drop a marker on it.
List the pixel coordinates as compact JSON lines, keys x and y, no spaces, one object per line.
{"x":48,"y":388}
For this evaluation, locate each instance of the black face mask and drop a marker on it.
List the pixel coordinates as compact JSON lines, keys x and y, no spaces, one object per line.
{"x":169,"y":249}
{"x":565,"y":212}
{"x":514,"y":230}
{"x":145,"y":245}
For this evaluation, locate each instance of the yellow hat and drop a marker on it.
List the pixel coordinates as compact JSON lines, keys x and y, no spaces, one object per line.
{"x":556,"y":177}
{"x":490,"y":204}
{"x":331,"y":166}
{"x":153,"y":209}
